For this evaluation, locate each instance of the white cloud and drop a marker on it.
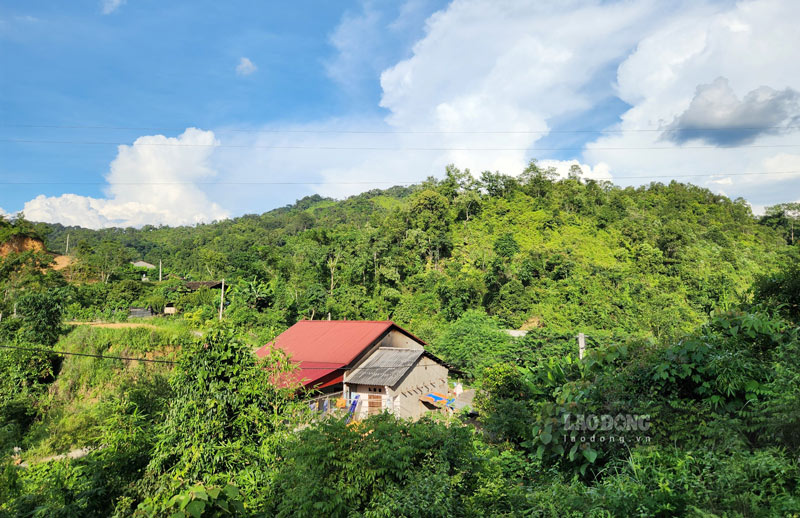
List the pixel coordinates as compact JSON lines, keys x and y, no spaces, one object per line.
{"x":717,"y":116}
{"x":354,"y":59}
{"x":154,"y":181}
{"x":725,"y":180}
{"x":751,"y":44}
{"x":245,"y":67}
{"x":491,"y":66}
{"x":367,"y":40}
{"x":109,"y":6}
{"x":481,"y":65}
{"x":600,"y":172}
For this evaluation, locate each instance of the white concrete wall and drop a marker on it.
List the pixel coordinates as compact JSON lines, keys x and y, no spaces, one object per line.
{"x":393,"y":338}
{"x":403,"y":400}
{"x":362,"y":411}
{"x":426,"y":376}
{"x":397,"y":339}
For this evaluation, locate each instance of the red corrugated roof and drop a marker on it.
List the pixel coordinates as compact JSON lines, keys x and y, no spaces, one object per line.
{"x":324,"y":346}
{"x":310,"y":373}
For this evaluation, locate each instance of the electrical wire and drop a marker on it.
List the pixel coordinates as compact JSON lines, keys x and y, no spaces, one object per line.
{"x":380,"y":148}
{"x":374,"y":182}
{"x":65,"y":353}
{"x":106,"y":357}
{"x":400,"y":132}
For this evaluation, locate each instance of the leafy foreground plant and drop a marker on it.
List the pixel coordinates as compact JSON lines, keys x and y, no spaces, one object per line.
{"x":200,"y":501}
{"x":388,"y":467}
{"x":223,"y":425}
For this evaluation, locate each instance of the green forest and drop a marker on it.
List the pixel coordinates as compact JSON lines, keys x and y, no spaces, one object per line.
{"x":689,"y":303}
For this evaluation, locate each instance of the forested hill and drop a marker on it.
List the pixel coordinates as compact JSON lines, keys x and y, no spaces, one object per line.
{"x":532,"y":250}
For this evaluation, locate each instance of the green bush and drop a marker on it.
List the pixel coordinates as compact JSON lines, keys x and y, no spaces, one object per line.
{"x":378,"y":467}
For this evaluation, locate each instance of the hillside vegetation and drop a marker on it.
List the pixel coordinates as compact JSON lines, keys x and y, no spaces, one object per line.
{"x":687,"y":402}
{"x":529,"y":250}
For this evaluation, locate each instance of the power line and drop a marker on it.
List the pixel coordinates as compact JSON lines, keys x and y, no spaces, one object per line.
{"x":105,"y":357}
{"x":382,"y":148}
{"x":401,"y":132}
{"x":374,"y":182}
{"x":65,"y":353}
{"x":58,"y":182}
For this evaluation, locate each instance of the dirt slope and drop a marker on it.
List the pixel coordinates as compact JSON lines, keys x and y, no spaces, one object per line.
{"x":19,"y":244}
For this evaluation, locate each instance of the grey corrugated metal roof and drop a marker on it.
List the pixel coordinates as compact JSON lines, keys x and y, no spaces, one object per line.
{"x":385,"y":367}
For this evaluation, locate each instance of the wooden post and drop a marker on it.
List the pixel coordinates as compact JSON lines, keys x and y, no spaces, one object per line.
{"x":221,"y":298}
{"x":581,"y":345}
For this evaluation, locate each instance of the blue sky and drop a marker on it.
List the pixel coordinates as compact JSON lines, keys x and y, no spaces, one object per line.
{"x":158,"y":65}
{"x":283,"y":93}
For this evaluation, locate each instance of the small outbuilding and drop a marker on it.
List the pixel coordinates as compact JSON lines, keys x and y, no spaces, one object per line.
{"x":139,"y":312}
{"x":212,"y":285}
{"x":373,"y":366}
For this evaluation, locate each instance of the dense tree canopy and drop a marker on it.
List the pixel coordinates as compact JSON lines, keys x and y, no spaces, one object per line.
{"x":530,"y":250}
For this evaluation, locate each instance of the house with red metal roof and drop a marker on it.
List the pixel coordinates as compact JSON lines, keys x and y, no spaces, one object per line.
{"x":373,"y":365}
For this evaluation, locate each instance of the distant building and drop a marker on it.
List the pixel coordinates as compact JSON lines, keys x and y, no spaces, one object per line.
{"x":374,"y":365}
{"x":196,"y":285}
{"x":137,"y":312}
{"x":142,"y":264}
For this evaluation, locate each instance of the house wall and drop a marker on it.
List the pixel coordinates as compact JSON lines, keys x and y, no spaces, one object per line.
{"x":403,"y":399}
{"x":363,"y":391}
{"x":426,"y":376}
{"x":395,"y":338}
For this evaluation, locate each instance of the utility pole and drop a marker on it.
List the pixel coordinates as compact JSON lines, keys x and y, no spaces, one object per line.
{"x":67,"y":251}
{"x":221,"y":299}
{"x":581,"y":345}
{"x":159,"y":270}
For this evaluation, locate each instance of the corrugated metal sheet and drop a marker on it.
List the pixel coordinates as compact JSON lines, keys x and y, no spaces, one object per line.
{"x":329,"y":341}
{"x":139,"y":312}
{"x":318,"y":375}
{"x":385,"y":367}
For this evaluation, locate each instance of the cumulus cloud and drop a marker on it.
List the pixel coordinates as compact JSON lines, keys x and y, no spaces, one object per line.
{"x":747,"y":43}
{"x":478,"y":89}
{"x":109,"y":6}
{"x":508,"y":66}
{"x":353,"y":59}
{"x":480,"y":67}
{"x":717,"y":116}
{"x":367,"y":40}
{"x":599,"y":172}
{"x":245,"y":67}
{"x":486,"y":80}
{"x":153,"y":181}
